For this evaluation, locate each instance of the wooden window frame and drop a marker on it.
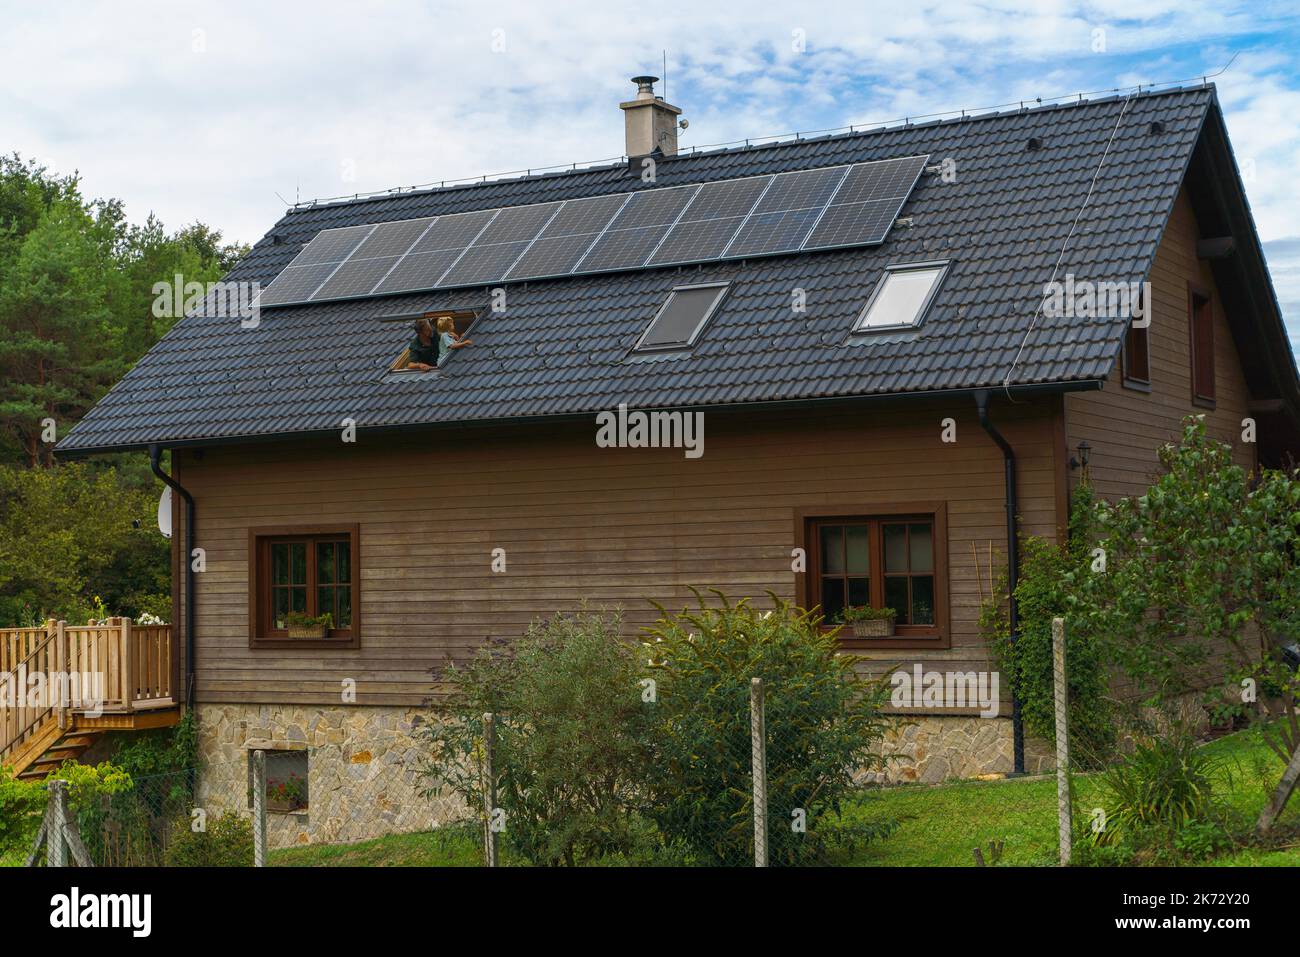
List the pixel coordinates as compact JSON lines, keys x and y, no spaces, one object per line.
{"x":938,"y":635}
{"x":1197,"y":293}
{"x":1129,"y":377}
{"x":260,"y":634}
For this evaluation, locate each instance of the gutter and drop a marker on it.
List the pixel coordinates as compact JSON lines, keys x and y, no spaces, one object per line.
{"x":1013,"y":567}
{"x":154,"y":452}
{"x":779,"y":405}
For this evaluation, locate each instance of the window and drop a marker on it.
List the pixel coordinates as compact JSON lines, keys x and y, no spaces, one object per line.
{"x":885,"y":561}
{"x":1201,"y":316}
{"x":286,"y":781}
{"x":902,"y":297}
{"x":309,"y":571}
{"x":1136,"y":357}
{"x":461,"y":320}
{"x":683,"y":317}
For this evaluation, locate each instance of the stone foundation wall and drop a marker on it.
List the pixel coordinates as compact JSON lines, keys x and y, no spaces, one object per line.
{"x":929,"y":749}
{"x":363,"y":778}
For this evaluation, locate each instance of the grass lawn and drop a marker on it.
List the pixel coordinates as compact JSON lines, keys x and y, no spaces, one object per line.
{"x":937,"y":825}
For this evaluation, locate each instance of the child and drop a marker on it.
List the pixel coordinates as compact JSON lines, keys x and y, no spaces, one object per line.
{"x":448,"y":338}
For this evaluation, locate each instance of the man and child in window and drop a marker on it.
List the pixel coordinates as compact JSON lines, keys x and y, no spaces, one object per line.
{"x":428,"y":351}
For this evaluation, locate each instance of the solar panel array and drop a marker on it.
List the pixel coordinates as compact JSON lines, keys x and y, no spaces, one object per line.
{"x":825,"y":208}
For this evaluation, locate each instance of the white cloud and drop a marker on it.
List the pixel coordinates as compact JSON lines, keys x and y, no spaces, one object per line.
{"x":207,"y":110}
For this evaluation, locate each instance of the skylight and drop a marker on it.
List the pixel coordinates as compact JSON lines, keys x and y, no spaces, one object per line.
{"x":902,"y":297}
{"x":683,"y":317}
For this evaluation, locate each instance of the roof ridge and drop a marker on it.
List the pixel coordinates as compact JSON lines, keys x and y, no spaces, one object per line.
{"x":778,"y":141}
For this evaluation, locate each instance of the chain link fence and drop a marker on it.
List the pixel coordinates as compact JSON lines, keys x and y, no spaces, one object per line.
{"x":760,"y":782}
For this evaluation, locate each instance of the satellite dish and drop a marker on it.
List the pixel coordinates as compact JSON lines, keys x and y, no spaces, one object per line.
{"x":165,"y":513}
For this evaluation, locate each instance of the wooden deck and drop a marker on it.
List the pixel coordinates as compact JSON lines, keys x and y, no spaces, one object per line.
{"x":62,"y":686}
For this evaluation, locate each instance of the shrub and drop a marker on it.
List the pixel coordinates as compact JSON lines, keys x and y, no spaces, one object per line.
{"x":1165,"y":784}
{"x":22,"y":803}
{"x":823,"y":728}
{"x":226,"y":841}
{"x":1049,"y":587}
{"x":571,"y":756}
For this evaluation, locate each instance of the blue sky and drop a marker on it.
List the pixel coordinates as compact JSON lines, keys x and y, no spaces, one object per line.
{"x":218,"y":111}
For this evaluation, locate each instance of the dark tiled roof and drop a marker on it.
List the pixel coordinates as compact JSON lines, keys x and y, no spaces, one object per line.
{"x":560,"y":347}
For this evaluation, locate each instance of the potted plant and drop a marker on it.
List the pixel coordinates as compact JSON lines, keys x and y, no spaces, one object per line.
{"x":869,"y":622}
{"x":287,"y":795}
{"x":306,"y":626}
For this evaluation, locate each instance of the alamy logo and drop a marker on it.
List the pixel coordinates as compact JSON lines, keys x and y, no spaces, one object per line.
{"x":73,"y":910}
{"x":651,"y":430}
{"x":1093,"y":300}
{"x":220,"y":300}
{"x":83,"y":690}
{"x":945,"y":689}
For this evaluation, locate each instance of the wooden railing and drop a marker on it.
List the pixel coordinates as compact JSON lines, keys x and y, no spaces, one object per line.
{"x":112,"y":667}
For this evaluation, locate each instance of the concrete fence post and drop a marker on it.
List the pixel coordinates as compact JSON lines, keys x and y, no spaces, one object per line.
{"x":259,"y":808}
{"x":56,"y":837}
{"x":489,"y":790}
{"x":1061,"y":696}
{"x":758,"y":759}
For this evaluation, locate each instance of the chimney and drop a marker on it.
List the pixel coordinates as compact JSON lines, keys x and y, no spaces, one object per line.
{"x":649,"y":122}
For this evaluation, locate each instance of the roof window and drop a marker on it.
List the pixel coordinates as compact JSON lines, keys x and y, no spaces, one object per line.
{"x":902,"y":296}
{"x":682,"y":318}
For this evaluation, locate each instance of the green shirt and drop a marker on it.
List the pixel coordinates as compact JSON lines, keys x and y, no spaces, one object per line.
{"x":422,"y":353}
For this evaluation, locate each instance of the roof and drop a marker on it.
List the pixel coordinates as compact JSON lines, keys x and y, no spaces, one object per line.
{"x":560,"y":346}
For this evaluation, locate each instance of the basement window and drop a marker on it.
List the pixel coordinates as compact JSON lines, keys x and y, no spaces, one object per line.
{"x":902,"y":297}
{"x":682,"y":318}
{"x":286,"y":781}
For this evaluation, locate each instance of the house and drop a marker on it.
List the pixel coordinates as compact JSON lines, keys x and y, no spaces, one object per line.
{"x":885,"y":354}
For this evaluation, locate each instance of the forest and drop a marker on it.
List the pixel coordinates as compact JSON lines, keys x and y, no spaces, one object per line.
{"x":79,"y":539}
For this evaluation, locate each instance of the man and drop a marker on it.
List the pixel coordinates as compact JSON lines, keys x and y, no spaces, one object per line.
{"x":423,"y":348}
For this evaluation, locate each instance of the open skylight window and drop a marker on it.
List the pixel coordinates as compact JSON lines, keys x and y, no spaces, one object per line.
{"x":683,"y":317}
{"x":902,"y":296}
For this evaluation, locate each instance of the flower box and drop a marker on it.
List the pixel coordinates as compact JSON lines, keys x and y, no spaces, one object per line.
{"x":309,"y":631}
{"x":873,"y":628}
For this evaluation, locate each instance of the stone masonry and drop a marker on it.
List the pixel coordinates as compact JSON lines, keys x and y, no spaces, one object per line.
{"x":363,"y":778}
{"x":363,"y":761}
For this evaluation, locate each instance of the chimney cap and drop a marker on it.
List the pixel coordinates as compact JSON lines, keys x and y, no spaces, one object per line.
{"x":645,"y":84}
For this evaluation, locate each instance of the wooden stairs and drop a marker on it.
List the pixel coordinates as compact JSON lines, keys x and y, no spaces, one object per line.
{"x":98,"y":679}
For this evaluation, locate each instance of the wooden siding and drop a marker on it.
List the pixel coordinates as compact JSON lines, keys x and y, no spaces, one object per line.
{"x":1125,"y":426}
{"x":614,"y":526}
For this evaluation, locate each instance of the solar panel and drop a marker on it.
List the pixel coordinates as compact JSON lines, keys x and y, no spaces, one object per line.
{"x":786,"y":213}
{"x":455,"y":231}
{"x":638,"y":228}
{"x":356,"y":277}
{"x":392,"y":239}
{"x":765,"y":233}
{"x":418,"y":271}
{"x":333,"y":245}
{"x":708,"y":223}
{"x":483,"y":264}
{"x":865,"y":206}
{"x":819,"y":208}
{"x":567,"y":237}
{"x":295,"y":284}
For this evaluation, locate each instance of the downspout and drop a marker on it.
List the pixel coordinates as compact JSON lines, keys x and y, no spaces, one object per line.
{"x":188,"y":558}
{"x":1013,"y":567}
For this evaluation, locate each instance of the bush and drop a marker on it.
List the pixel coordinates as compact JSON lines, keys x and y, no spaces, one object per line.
{"x":823,"y":726}
{"x":227,"y":841}
{"x":571,"y":755}
{"x":22,"y":803}
{"x":1049,"y":586}
{"x":1163,"y":786}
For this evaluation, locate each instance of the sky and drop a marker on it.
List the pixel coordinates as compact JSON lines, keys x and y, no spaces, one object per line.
{"x":225,"y":112}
